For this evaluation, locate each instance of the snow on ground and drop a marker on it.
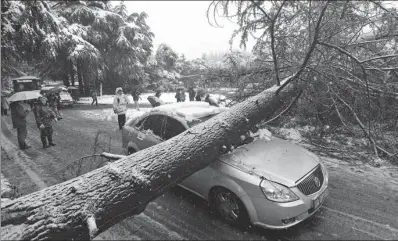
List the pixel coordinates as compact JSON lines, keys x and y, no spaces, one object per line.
{"x":109,"y":115}
{"x":167,"y":98}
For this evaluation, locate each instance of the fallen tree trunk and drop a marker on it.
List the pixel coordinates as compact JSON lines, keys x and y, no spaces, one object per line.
{"x":89,"y":204}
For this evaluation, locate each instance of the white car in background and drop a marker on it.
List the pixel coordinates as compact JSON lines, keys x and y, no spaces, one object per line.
{"x":66,"y":98}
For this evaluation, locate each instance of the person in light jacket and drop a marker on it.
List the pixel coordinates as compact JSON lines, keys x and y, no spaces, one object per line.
{"x":120,"y":106}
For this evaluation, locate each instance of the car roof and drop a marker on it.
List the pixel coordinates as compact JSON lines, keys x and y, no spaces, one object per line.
{"x":46,"y":88}
{"x":26,"y":78}
{"x":188,"y":111}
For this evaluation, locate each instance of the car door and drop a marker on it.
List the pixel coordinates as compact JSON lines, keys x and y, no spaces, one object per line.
{"x":149,"y":133}
{"x":197,"y":182}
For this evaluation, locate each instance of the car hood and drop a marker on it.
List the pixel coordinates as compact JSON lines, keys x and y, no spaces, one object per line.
{"x":276,"y":160}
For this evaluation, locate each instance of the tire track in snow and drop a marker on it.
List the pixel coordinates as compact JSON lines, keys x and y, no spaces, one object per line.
{"x":378,"y":230}
{"x":22,"y":160}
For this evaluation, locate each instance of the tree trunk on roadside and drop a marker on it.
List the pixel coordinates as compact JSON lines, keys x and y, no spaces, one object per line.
{"x":72,"y":74}
{"x":99,"y":199}
{"x":66,"y":79}
{"x":86,"y":78}
{"x":79,"y":78}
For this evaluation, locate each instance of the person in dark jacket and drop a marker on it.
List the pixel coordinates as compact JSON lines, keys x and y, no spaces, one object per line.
{"x":158,"y":93}
{"x":200,"y":94}
{"x":94,"y":96}
{"x":19,"y":111}
{"x":44,"y":115}
{"x":192,"y":94}
{"x":54,"y":102}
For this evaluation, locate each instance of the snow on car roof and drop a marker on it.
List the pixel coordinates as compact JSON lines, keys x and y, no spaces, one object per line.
{"x":190,"y":110}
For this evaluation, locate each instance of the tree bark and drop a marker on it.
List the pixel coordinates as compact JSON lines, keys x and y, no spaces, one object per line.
{"x":89,"y":204}
{"x":79,"y":78}
{"x":72,"y":73}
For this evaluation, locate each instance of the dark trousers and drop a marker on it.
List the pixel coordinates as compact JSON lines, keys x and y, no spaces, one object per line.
{"x":21,"y":134}
{"x":95,"y":100}
{"x":122,"y":120}
{"x":46,"y":134}
{"x":3,"y":111}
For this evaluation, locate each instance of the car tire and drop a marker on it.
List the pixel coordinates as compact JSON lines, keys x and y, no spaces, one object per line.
{"x":131,"y":151}
{"x":229,"y":207}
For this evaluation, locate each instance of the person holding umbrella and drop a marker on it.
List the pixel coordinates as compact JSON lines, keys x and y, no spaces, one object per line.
{"x":19,"y":110}
{"x":44,"y":115}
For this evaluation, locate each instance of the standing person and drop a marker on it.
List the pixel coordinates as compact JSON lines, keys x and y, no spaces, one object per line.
{"x":200,"y":94}
{"x":136,"y":97}
{"x":19,"y":111}
{"x":192,"y":93}
{"x":158,"y":93}
{"x":53,"y":102}
{"x":178,"y":95}
{"x":4,"y":105}
{"x":94,"y":96}
{"x":44,"y":115}
{"x":120,"y":106}
{"x":182,"y":96}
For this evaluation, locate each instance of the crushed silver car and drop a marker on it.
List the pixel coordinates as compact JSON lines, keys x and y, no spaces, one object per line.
{"x":266,"y":181}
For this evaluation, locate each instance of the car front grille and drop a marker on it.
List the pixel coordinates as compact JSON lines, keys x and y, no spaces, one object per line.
{"x":312,"y":183}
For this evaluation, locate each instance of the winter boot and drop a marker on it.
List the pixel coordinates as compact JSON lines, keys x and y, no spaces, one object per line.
{"x":50,"y":140}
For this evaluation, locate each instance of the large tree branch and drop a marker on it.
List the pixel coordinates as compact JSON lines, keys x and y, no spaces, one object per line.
{"x":367,"y":134}
{"x":294,"y":101}
{"x":77,"y":208}
{"x":272,"y":31}
{"x":365,"y":76}
{"x":382,"y":69}
{"x":311,"y":49}
{"x":380,"y":57}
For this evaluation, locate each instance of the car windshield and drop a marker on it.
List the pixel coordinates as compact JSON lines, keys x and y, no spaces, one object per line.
{"x":233,"y":142}
{"x":194,"y":122}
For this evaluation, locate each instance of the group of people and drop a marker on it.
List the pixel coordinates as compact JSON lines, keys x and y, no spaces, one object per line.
{"x":45,"y":111}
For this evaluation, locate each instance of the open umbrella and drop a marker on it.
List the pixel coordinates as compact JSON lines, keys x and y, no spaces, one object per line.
{"x":24,"y":95}
{"x":53,"y":90}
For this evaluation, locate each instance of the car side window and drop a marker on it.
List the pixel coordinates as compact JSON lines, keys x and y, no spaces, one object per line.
{"x":153,"y":123}
{"x":172,"y":128}
{"x":139,"y":124}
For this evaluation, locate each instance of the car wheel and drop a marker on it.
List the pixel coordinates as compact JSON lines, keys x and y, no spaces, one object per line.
{"x":131,"y":151}
{"x":230,"y":208}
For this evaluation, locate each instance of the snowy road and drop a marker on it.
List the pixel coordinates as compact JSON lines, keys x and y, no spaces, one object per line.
{"x":360,"y":206}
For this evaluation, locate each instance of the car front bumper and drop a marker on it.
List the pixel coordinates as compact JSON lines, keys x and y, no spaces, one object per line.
{"x":66,"y":103}
{"x":275,"y":215}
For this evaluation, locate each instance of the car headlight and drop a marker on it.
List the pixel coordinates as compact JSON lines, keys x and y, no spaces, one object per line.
{"x":277,"y":192}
